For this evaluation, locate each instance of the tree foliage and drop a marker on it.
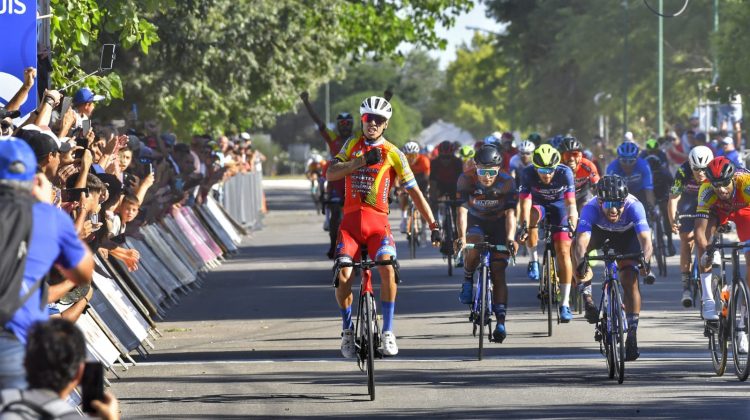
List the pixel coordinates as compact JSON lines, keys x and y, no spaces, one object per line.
{"x":542,"y":74}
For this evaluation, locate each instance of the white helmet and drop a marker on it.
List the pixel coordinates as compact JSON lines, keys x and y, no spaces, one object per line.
{"x":376,"y":105}
{"x":526,"y":147}
{"x":411,"y":147}
{"x":699,"y":157}
{"x":317,"y":158}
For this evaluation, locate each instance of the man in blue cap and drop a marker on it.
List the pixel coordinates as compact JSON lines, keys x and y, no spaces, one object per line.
{"x":52,"y":240}
{"x":84,"y":102}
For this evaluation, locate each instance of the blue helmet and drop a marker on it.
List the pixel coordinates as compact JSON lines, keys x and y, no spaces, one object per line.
{"x":556,"y":141}
{"x":17,"y":160}
{"x":628,"y":150}
{"x":491,"y":140}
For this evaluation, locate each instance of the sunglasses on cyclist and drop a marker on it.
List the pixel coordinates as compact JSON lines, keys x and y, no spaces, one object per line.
{"x":721,"y":184}
{"x":698,"y":169}
{"x":377,"y":119}
{"x":545,"y":171}
{"x":525,"y":153}
{"x":606,"y":205}
{"x":344,"y":123}
{"x":627,"y":161}
{"x":487,"y":172}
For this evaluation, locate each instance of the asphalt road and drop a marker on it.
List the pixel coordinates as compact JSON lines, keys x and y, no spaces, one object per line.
{"x":261,"y":339}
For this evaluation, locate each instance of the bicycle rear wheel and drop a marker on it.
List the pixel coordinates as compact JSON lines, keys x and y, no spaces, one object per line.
{"x":413,"y":232}
{"x":370,"y":338}
{"x":448,"y":239}
{"x":482,"y":309}
{"x":738,"y":309}
{"x":662,"y":253}
{"x":549,"y":287}
{"x":617,"y":341}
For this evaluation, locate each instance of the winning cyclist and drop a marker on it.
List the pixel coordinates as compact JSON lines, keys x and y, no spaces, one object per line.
{"x":683,"y":199}
{"x":586,"y":175}
{"x":489,"y":210}
{"x":368,"y":164}
{"x":547,"y":190}
{"x":618,"y":216}
{"x":725,"y":197}
{"x":420,"y":167}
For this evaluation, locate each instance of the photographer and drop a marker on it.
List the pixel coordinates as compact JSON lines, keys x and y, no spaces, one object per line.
{"x":54,"y":361}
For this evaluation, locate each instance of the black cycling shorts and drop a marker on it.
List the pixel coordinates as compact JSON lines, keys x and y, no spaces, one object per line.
{"x":625,"y":242}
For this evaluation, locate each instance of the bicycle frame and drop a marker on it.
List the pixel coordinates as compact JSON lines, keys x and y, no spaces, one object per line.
{"x":366,"y":328}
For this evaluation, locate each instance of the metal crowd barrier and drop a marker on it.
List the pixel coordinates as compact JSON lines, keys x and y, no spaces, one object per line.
{"x":243,"y":199}
{"x":175,"y":254}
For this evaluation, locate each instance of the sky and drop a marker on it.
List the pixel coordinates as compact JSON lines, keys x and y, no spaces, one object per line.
{"x":458,"y":34}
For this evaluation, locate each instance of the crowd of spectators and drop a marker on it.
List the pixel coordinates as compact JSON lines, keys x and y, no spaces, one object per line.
{"x":93,"y":184}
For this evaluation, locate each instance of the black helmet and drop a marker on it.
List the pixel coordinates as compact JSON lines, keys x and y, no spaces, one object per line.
{"x":344,"y":116}
{"x":570,"y":144}
{"x":612,"y":188}
{"x":488,"y":155}
{"x":445,"y":148}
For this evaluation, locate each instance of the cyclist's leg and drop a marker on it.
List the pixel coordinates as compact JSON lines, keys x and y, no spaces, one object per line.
{"x":533,"y":270}
{"x":687,"y":240}
{"x":558,"y":216}
{"x":346,"y":249}
{"x":663,"y":209}
{"x":474,"y":234}
{"x":382,"y":247}
{"x":709,"y":304}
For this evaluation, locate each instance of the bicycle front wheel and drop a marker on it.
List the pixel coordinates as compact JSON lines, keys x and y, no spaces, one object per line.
{"x":717,"y":335}
{"x":661,"y":250}
{"x":549,"y":288}
{"x":413,"y":232}
{"x":370,"y":338}
{"x":738,"y":309}
{"x":617,"y":342}
{"x":482,"y":308}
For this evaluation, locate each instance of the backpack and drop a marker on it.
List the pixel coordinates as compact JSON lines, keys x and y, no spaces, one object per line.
{"x":15,"y":234}
{"x":16,"y":404}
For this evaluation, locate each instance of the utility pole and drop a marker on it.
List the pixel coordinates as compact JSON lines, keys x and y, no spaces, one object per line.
{"x":661,"y":68}
{"x":715,"y":77}
{"x":625,"y":71}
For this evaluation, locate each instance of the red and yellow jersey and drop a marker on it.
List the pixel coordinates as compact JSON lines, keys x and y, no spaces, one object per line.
{"x":586,"y":177}
{"x":708,"y":201}
{"x":421,"y":165}
{"x":368,"y":186}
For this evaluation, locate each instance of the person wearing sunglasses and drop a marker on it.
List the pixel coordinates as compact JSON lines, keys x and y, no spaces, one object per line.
{"x":725,"y":197}
{"x":547,"y":191}
{"x":683,"y":201}
{"x":369,"y":165}
{"x":521,"y":160}
{"x":618,"y":216}
{"x":586,"y":174}
{"x":420,"y":167}
{"x":488,"y":211}
{"x":636,"y":173}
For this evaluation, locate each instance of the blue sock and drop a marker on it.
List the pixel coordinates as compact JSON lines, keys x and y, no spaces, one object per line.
{"x":499,"y":310}
{"x":346,"y":316}
{"x":388,"y":309}
{"x":632,"y":321}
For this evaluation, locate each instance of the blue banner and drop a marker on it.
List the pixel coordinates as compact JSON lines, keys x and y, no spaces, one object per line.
{"x":18,"y":20}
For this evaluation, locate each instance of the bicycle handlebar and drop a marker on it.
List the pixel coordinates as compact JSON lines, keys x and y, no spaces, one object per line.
{"x":729,"y":245}
{"x":366,"y":265}
{"x":488,"y":246}
{"x":615,"y":257}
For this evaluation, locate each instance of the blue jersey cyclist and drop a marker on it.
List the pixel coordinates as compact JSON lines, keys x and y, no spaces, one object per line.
{"x":619,"y":217}
{"x":635,"y":171}
{"x":488,"y":211}
{"x":548,"y":191}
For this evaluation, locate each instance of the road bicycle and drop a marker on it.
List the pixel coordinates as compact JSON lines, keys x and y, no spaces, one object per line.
{"x":366,"y":328}
{"x":657,"y":240}
{"x":448,"y":211}
{"x":549,"y":283}
{"x":414,"y":229}
{"x":479,"y":314}
{"x":732,"y":303}
{"x":610,"y":329}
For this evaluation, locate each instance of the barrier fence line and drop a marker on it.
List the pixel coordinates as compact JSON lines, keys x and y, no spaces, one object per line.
{"x":175,"y":255}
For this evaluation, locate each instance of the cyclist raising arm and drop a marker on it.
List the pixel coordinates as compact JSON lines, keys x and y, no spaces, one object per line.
{"x":368,"y":164}
{"x":547,"y":190}
{"x":489,"y":209}
{"x":683,"y":199}
{"x":618,"y":216}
